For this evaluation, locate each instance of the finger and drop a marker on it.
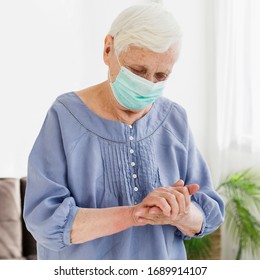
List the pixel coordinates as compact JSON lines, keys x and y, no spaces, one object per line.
{"x":187,"y":191}
{"x":155,"y":211}
{"x":193,"y":188}
{"x":147,"y":221}
{"x":155,"y":220}
{"x":140,"y":213}
{"x":173,"y":201}
{"x":160,"y":201}
{"x":182,"y":196}
{"x":164,"y":205}
{"x":182,"y":202}
{"x":145,"y":217}
{"x":179,"y":183}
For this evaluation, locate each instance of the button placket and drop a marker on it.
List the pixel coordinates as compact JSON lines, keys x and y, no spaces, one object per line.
{"x":133,"y":165}
{"x":131,"y":138}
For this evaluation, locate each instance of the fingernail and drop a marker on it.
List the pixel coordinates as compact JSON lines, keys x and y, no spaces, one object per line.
{"x":179,"y":182}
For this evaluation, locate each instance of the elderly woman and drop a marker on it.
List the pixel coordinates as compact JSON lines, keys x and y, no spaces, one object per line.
{"x":115,"y":172}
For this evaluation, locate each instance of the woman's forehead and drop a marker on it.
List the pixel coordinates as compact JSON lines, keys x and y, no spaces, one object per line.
{"x":139,"y":55}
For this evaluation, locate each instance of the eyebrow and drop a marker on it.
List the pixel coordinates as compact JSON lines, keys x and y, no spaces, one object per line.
{"x":146,"y":68}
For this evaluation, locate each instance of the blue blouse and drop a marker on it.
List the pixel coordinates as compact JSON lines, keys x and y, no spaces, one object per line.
{"x":82,"y":160}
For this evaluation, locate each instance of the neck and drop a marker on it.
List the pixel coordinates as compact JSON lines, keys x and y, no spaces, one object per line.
{"x":116,"y":111}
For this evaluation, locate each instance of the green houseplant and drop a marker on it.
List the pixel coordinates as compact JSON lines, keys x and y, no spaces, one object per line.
{"x":241,"y":191}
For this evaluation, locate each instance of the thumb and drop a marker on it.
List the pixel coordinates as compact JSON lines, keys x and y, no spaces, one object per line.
{"x":193,"y":188}
{"x":179,"y":183}
{"x":155,"y":210}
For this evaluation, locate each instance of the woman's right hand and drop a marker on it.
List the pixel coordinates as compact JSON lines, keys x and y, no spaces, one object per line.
{"x":161,"y":206}
{"x":164,"y":205}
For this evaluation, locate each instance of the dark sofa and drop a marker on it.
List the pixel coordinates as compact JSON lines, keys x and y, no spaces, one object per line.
{"x":16,"y":242}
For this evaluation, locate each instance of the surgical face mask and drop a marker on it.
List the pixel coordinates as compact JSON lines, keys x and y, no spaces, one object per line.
{"x":134,"y":92}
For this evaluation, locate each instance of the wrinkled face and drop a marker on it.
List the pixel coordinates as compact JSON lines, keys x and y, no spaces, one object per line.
{"x":147,"y":64}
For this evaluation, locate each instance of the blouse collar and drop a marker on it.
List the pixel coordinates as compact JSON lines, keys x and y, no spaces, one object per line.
{"x":114,"y":130}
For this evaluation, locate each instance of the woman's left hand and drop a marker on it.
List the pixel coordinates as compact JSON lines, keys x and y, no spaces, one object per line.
{"x":183,"y":215}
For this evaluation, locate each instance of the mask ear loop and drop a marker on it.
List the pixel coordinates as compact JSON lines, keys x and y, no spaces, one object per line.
{"x":117,"y":58}
{"x":109,"y":76}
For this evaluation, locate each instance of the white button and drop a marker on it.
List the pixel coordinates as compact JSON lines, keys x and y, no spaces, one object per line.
{"x":131,"y":151}
{"x":134,"y":176}
{"x":135,"y":189}
{"x":130,"y":126}
{"x":132,"y":163}
{"x":131,"y":138}
{"x":135,"y":202}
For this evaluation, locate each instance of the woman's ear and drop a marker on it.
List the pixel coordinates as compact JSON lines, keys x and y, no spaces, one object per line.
{"x":108,"y":49}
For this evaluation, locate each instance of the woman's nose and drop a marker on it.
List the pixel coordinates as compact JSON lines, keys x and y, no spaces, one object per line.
{"x":150,"y":77}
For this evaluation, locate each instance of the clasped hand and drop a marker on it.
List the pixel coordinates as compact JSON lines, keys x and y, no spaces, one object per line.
{"x":165,"y":205}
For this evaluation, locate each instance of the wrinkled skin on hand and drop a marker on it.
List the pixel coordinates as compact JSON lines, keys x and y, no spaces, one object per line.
{"x":165,"y":205}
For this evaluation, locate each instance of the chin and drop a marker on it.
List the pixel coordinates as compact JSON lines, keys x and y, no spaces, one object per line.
{"x":134,"y":111}
{"x":137,"y":111}
{"x":140,"y":111}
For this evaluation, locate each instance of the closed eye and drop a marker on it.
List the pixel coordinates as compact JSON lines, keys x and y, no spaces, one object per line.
{"x":142,"y":72}
{"x":138,"y":71}
{"x":161,"y":76}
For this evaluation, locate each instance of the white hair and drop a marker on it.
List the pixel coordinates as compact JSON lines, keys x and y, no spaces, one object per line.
{"x":148,"y":26}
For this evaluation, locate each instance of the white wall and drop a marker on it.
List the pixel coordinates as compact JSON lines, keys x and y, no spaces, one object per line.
{"x":51,"y":47}
{"x":188,"y":84}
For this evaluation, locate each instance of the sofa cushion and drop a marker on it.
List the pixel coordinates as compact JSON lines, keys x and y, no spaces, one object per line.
{"x":28,"y":242}
{"x":10,"y":219}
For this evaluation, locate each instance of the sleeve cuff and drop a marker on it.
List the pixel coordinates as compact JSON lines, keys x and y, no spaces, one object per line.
{"x":201,"y":233}
{"x":67,"y":230}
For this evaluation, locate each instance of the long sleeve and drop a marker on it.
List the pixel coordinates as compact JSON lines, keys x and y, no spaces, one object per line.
{"x":49,"y":208}
{"x":206,"y":199}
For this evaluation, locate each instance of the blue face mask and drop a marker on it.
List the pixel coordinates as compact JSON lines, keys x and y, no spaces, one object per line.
{"x":134,"y":92}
